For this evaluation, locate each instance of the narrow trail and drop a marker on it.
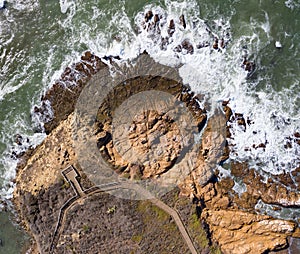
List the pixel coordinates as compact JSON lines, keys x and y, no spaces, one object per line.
{"x":71,"y":176}
{"x":178,"y":222}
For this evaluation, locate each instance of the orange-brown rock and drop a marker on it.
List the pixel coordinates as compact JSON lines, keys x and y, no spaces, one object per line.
{"x":241,"y":232}
{"x":281,"y":190}
{"x":228,"y":112}
{"x":225,"y":211}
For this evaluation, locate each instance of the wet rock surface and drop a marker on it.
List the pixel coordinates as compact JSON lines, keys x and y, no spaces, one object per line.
{"x":62,"y":96}
{"x":155,"y":25}
{"x":280,"y":189}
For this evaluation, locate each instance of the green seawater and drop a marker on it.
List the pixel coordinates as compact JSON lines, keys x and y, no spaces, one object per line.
{"x":13,"y":239}
{"x":38,"y":40}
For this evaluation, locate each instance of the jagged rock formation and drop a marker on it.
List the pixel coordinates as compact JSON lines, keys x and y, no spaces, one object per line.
{"x":228,"y":217}
{"x":62,"y":97}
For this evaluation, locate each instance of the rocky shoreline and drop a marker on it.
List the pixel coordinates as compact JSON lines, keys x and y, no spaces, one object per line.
{"x":221,"y":216}
{"x":218,"y":218}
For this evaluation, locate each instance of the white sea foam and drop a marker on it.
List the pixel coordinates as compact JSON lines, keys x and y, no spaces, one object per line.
{"x":24,"y":5}
{"x":65,"y":5}
{"x":278,"y":44}
{"x":220,"y":75}
{"x":239,"y":187}
{"x":215,"y":73}
{"x":292,"y":4}
{"x":2,"y":3}
{"x":8,"y":160}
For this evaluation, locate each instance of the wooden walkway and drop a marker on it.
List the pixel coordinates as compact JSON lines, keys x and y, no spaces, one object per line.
{"x":71,"y":175}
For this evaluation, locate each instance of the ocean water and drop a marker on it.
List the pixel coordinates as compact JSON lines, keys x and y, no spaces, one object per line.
{"x":38,"y":39}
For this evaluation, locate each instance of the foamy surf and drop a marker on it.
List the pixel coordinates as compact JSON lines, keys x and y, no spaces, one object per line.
{"x":292,"y":4}
{"x":216,"y":73}
{"x":21,"y":139}
{"x":219,"y":74}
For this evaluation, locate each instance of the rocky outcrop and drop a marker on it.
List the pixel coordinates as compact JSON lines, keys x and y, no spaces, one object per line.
{"x":234,"y":224}
{"x":154,"y":23}
{"x":232,"y":218}
{"x":61,"y":98}
{"x":40,"y":190}
{"x":228,"y":217}
{"x":150,"y":130}
{"x":280,"y":189}
{"x":241,"y":232}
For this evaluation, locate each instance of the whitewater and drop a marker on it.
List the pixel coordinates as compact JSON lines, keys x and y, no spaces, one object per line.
{"x":39,"y":39}
{"x":28,"y":70}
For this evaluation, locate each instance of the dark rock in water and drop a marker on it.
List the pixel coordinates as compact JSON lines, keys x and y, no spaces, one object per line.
{"x":172,"y":24}
{"x":171,"y":28}
{"x":216,"y":44}
{"x":178,"y":48}
{"x":202,"y":45}
{"x":1,"y":243}
{"x":297,"y":137}
{"x":187,"y":45}
{"x":222,"y":43}
{"x":110,"y":58}
{"x":239,"y":118}
{"x":3,"y":5}
{"x":248,"y":65}
{"x":87,"y":56}
{"x":148,"y":16}
{"x":182,"y":21}
{"x":228,"y":112}
{"x":261,"y":145}
{"x":156,"y":19}
{"x":164,"y":43}
{"x":225,"y":103}
{"x":59,"y":101}
{"x":19,"y":139}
